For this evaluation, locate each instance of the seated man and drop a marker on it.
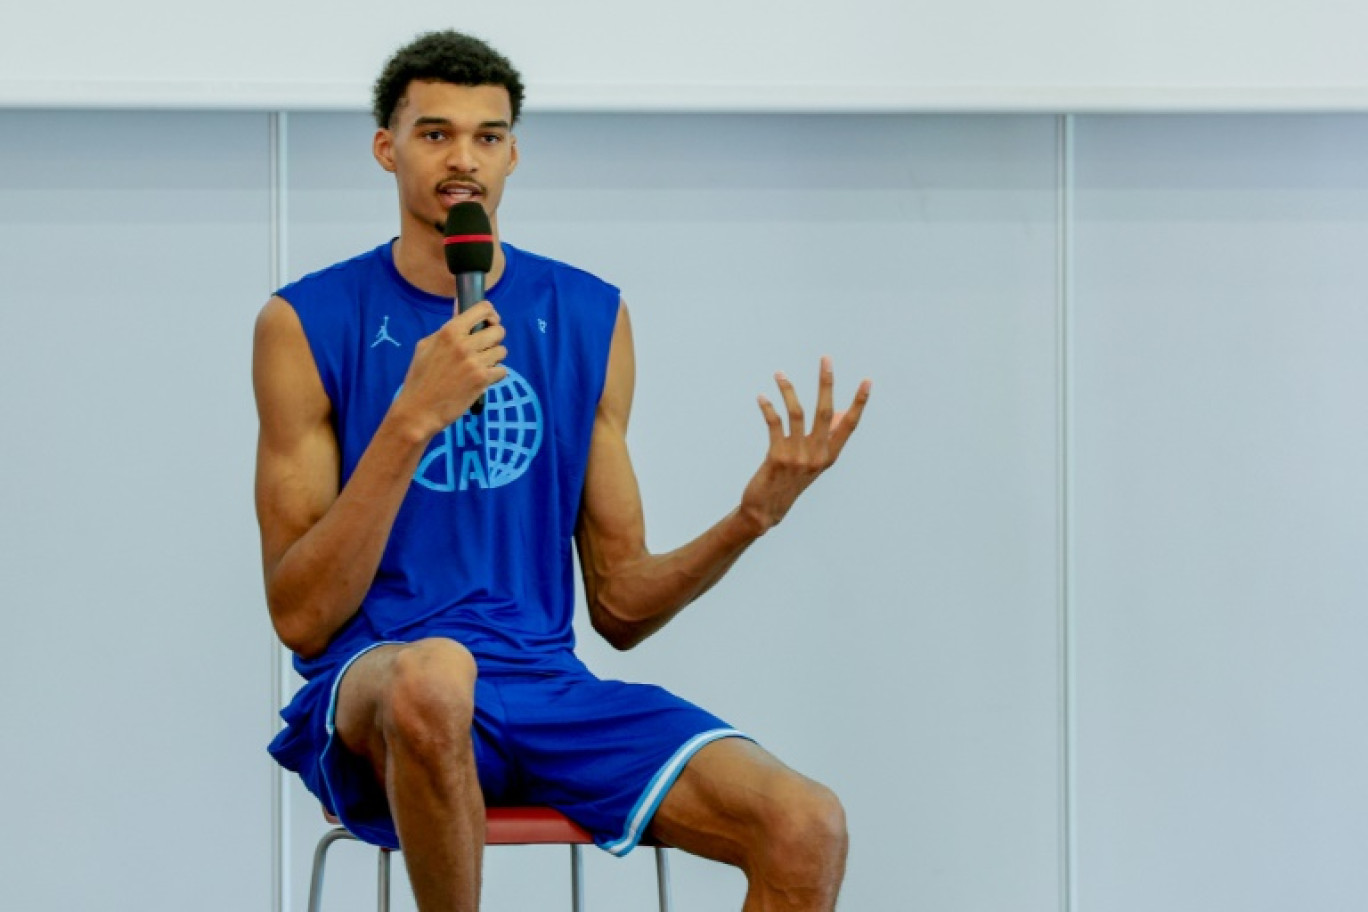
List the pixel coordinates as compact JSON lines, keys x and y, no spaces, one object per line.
{"x":417,"y":556}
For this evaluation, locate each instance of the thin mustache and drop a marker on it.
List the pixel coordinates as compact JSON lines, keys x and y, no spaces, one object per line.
{"x":462,"y":185}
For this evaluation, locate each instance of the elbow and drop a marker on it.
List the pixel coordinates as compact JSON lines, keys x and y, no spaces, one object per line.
{"x":619,"y":633}
{"x":293,"y":628}
{"x":306,"y":649}
{"x":294,"y":638}
{"x":622,"y":642}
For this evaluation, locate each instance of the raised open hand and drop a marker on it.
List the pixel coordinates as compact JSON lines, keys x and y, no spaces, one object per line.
{"x":797,"y":456}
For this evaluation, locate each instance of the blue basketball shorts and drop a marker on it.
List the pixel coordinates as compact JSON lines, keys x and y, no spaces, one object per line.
{"x":604,"y":753}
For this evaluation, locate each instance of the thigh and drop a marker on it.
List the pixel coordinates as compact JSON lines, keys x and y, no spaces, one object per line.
{"x":729,"y":798}
{"x":351,"y":767}
{"x":436,"y":673}
{"x":356,"y":712}
{"x":603,"y":752}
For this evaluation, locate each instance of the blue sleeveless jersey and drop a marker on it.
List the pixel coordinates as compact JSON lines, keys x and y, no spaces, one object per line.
{"x":481,"y":547}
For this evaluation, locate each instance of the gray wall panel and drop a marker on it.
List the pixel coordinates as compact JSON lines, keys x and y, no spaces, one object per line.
{"x":133,"y":251}
{"x":1219,"y":351}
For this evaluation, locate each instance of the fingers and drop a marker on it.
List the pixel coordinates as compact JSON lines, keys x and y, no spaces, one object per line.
{"x":795,"y":408}
{"x":494,"y":357}
{"x":496,"y":373}
{"x":483,"y":312}
{"x":844,"y":424}
{"x":772,"y":421}
{"x":480,"y":324}
{"x":488,"y":337}
{"x":475,"y":336}
{"x":827,"y":424}
{"x":821,"y":422}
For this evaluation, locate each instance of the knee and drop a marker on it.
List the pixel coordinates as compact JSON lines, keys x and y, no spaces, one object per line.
{"x":430,"y":696}
{"x":805,"y":831}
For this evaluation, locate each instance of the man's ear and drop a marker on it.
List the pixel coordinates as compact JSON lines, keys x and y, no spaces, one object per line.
{"x":513,"y":156}
{"x":382,"y":147}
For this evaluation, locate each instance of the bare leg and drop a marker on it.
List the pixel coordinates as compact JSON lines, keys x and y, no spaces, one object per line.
{"x":734,"y":802}
{"x":407,"y":710}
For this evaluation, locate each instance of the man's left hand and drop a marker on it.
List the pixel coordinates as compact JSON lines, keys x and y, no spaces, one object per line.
{"x":796,"y":457}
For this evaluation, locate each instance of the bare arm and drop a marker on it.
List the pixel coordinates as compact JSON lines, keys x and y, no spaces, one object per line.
{"x":633,"y":593}
{"x":321,"y":544}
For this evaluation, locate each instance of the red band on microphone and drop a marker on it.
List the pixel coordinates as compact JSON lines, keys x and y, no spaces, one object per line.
{"x":469,"y":239}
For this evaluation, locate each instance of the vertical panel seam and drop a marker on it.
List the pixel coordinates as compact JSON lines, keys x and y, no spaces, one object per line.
{"x":281,"y":899}
{"x":1064,"y":468}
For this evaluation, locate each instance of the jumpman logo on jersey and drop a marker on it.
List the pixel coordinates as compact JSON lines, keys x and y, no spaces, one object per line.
{"x":383,"y":335}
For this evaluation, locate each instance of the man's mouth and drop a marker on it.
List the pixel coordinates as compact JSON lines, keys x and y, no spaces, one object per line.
{"x":452,"y":194}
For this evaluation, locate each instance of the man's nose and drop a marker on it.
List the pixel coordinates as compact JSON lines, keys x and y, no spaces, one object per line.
{"x":461,"y":155}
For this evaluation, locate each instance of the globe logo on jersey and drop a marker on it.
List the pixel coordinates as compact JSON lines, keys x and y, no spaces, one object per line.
{"x":487,"y":451}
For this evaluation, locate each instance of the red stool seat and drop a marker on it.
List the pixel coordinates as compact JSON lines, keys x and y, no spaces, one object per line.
{"x":529,"y":826}
{"x":532,"y":826}
{"x":537,"y":826}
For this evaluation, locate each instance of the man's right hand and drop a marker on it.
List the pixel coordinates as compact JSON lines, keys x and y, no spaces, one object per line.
{"x":451,"y":368}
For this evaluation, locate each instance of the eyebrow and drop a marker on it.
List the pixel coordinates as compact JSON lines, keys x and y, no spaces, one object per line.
{"x":446,"y":122}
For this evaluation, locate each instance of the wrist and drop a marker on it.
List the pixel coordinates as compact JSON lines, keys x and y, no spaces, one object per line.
{"x":411,"y":428}
{"x":752,"y":521}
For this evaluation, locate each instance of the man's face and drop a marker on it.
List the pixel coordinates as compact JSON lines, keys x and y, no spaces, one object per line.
{"x":447,"y":144}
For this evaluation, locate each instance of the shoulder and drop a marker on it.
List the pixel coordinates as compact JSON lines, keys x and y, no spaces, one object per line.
{"x":276,"y":320}
{"x":283,"y":370}
{"x":279,"y":335}
{"x":327,"y":283}
{"x":536,"y":268}
{"x":574,"y":298}
{"x":330,"y":304}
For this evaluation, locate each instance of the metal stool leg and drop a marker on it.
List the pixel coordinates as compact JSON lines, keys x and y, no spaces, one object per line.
{"x":319,"y":860}
{"x":382,"y":879}
{"x":663,"y":878}
{"x":576,"y":879}
{"x":382,"y":874}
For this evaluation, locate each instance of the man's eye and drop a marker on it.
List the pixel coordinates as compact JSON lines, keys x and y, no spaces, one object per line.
{"x":434,"y":136}
{"x":491,"y":139}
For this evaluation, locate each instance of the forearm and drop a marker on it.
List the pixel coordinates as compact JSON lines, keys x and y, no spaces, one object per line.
{"x":641,"y":595}
{"x":319,"y":582}
{"x":322,"y":543}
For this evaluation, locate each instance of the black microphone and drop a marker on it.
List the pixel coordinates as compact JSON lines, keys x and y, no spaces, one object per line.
{"x":469,"y":241}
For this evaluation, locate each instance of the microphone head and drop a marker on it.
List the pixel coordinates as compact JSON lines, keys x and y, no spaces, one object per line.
{"x":469,"y":239}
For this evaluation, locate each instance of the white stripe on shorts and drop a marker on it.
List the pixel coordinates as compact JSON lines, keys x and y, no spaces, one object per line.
{"x":660,"y":783}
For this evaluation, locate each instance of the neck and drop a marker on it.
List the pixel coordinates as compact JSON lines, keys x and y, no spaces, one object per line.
{"x":421,"y":260}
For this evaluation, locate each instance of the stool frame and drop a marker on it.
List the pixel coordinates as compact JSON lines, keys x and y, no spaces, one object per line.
{"x":504,"y":826}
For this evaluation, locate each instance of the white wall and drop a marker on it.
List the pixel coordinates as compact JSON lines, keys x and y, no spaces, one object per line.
{"x":1125,"y":401}
{"x":984,"y":55}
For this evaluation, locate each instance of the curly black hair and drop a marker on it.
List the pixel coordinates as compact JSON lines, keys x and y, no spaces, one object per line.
{"x":446,"y":56}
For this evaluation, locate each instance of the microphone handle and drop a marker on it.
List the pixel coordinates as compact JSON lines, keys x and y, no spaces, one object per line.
{"x":470,"y":291}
